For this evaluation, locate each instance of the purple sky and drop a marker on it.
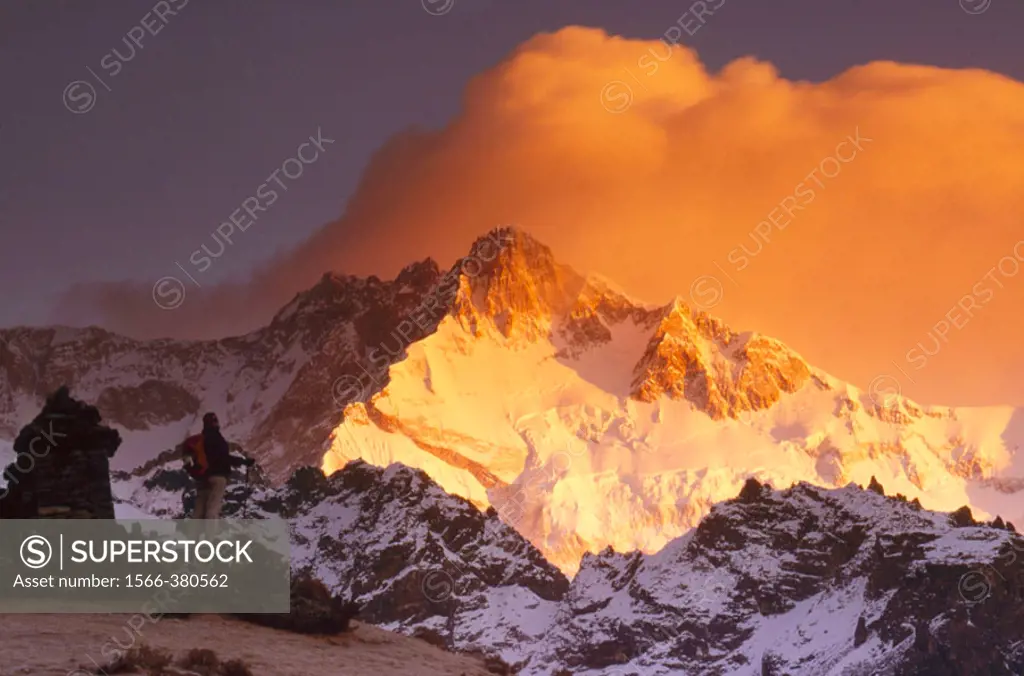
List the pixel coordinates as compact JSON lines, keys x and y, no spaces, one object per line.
{"x":224,"y":91}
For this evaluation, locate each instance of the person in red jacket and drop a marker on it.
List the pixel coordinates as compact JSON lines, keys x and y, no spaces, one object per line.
{"x":211,"y":485}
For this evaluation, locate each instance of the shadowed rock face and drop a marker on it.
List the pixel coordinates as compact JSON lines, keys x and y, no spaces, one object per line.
{"x":410,"y":538}
{"x":62,"y":467}
{"x":392,"y":541}
{"x":150,"y":404}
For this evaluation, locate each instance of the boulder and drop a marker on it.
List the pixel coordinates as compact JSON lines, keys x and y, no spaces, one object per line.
{"x":314,"y":610}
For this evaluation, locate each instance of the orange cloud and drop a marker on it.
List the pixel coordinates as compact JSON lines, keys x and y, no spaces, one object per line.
{"x":688,"y":167}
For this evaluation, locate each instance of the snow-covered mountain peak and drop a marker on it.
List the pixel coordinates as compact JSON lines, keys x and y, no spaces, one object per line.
{"x":512,"y":247}
{"x":586,"y":418}
{"x":513,"y":282}
{"x":696,"y":357}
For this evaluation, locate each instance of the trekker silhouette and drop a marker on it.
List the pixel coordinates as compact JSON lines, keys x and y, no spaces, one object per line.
{"x":210,"y":486}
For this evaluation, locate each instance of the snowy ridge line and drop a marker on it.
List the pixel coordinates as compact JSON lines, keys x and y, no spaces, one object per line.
{"x":767,"y":605}
{"x":432,"y":308}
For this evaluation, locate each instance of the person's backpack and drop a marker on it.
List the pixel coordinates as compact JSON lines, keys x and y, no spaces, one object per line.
{"x":196,"y":462}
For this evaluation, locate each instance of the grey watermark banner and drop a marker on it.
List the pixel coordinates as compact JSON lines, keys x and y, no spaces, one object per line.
{"x":120,"y":566}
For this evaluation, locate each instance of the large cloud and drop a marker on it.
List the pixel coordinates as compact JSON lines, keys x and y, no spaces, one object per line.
{"x":630,"y":159}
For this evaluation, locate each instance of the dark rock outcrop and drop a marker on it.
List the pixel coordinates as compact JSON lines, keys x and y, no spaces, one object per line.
{"x":314,"y":610}
{"x":62,"y":468}
{"x":751,"y":491}
{"x":860,"y":634}
{"x":962,"y":518}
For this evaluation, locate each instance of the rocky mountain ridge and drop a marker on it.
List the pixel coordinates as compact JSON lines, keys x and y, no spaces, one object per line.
{"x":328,"y":332}
{"x":584,"y":417}
{"x":801,"y":581}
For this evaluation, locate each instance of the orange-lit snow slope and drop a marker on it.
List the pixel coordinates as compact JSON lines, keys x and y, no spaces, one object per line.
{"x":590,"y":420}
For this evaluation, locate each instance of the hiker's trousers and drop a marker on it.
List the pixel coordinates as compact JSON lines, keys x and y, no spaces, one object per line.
{"x":210,"y":497}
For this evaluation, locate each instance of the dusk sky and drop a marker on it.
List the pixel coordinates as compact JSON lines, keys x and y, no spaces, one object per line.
{"x":109,"y":186}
